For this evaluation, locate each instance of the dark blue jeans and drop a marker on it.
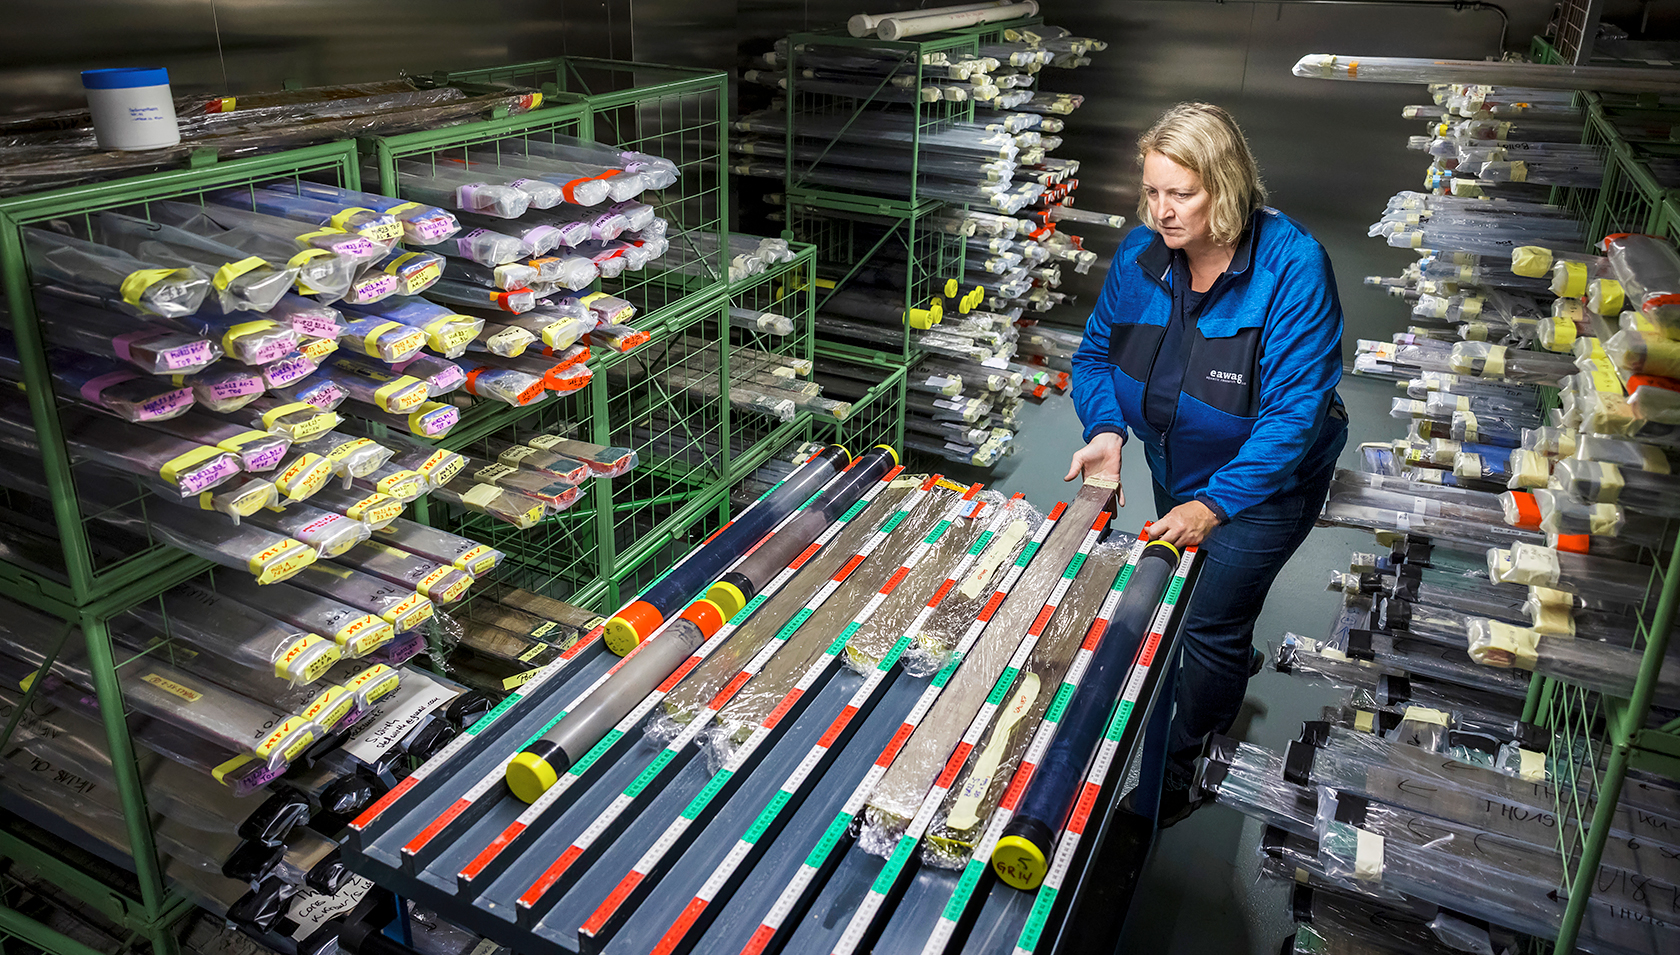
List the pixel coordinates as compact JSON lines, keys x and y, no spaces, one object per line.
{"x":1208,"y":674}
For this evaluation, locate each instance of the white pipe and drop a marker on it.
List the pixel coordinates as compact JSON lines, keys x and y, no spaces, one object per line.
{"x":864,"y":24}
{"x":896,"y":28}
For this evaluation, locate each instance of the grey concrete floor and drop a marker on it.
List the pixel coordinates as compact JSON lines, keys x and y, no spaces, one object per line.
{"x":1201,"y":893}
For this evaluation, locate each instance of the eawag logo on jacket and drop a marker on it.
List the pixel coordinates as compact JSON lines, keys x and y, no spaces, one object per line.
{"x":1227,"y":377}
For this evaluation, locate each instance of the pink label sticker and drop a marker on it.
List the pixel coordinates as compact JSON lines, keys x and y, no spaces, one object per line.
{"x":187,"y":356}
{"x":356,"y":247}
{"x":266,"y":458}
{"x":237,"y":386}
{"x":166,"y":405}
{"x":315,"y":326}
{"x":327,"y":397}
{"x":439,"y":422}
{"x":433,"y":228}
{"x":218,"y":470}
{"x":269,"y":351}
{"x":448,"y":379}
{"x":287,"y":370}
{"x":371,"y":288}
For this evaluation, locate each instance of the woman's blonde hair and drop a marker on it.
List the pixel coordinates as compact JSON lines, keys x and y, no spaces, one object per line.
{"x":1205,"y":139}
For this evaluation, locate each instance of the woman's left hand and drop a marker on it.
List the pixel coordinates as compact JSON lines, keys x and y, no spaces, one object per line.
{"x":1186,"y":525}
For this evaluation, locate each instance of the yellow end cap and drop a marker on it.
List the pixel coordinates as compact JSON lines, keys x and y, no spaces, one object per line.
{"x":1018,"y":862}
{"x":621,"y":636}
{"x":889,"y":449}
{"x":728,"y":598}
{"x":529,"y":776}
{"x":951,"y":288}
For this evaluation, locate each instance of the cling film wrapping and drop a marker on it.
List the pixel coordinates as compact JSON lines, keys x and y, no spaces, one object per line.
{"x":182,"y":701}
{"x":329,"y":532}
{"x":397,"y":605}
{"x":952,"y":837}
{"x":437,"y":582}
{"x":1013,"y":523}
{"x":692,"y":694}
{"x":227,"y":628}
{"x":440,"y":546}
{"x":760,"y":695}
{"x":353,"y":629}
{"x":901,"y":790}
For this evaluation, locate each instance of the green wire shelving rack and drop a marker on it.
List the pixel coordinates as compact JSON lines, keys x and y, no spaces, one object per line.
{"x":1596,"y":739}
{"x":85,"y":583}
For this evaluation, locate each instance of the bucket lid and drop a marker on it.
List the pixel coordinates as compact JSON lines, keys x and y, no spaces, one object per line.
{"x":123,"y":78}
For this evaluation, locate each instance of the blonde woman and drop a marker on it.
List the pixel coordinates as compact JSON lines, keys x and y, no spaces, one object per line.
{"x":1217,"y":343}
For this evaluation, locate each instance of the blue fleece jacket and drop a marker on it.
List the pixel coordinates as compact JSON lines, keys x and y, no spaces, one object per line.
{"x":1257,"y":406}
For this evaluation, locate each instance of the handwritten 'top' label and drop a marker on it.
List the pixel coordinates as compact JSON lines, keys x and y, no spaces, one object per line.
{"x":200,"y":479}
{"x":186,"y":356}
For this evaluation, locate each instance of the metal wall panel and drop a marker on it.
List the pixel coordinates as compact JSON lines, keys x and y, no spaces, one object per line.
{"x":1330,"y":153}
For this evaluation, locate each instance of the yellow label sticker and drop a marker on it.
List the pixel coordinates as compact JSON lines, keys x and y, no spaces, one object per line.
{"x":170,"y":686}
{"x":520,"y":679}
{"x":283,"y":666}
{"x":318,"y":348}
{"x":404,"y":483}
{"x":136,"y":283}
{"x":174,"y":466}
{"x":296,"y":749}
{"x":306,"y":476}
{"x":281,"y":561}
{"x":415,"y":605}
{"x":415,"y":393}
{"x":221,"y":773}
{"x":226,"y":274}
{"x":304,"y":256}
{"x":280,"y":734}
{"x":275,"y":414}
{"x":535,"y":651}
{"x":479,"y":560}
{"x":341,"y":453}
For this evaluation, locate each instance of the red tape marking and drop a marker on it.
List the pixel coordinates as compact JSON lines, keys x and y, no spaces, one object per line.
{"x":836,"y":727}
{"x":438,"y":825}
{"x":476,"y":867}
{"x":895,"y":744}
{"x":551,"y":876}
{"x":372,"y":812}
{"x":619,"y":893}
{"x":782,"y":708}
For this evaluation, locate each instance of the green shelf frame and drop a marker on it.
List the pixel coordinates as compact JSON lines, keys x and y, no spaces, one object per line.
{"x":1597,"y":739}
{"x":89,"y":589}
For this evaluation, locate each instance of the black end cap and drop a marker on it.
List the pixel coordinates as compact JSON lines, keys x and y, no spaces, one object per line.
{"x":271,"y":821}
{"x":1297,"y":763}
{"x":1393,"y":690}
{"x":1300,"y":903}
{"x":1359,"y":645}
{"x":1530,"y":736}
{"x":1351,"y":809}
{"x":251,"y":861}
{"x":1315,"y":732}
{"x":328,"y":875}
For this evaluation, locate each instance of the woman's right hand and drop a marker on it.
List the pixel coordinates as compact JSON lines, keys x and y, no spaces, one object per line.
{"x":1100,"y":459}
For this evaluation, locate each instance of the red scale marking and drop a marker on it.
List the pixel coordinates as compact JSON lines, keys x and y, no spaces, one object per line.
{"x":677,"y":675}
{"x":1057,"y":511}
{"x":729,"y":690}
{"x":836,"y":727}
{"x":939,"y":595}
{"x":491,"y":851}
{"x":372,"y":812}
{"x":895,"y":744}
{"x":1146,"y":656}
{"x":932,"y":479}
{"x":760,"y":938}
{"x":954,"y":765}
{"x":893,"y":473}
{"x":1082,"y":809}
{"x":804,"y":556}
{"x":1093,"y":636}
{"x":583,"y":644}
{"x":680,"y":927}
{"x":893,"y":581}
{"x":713,"y":534}
{"x":985,"y":614}
{"x":761,"y":542}
{"x":846,"y":570}
{"x":1041,"y":621}
{"x":782,"y":708}
{"x":551,"y":876}
{"x":621,"y":892}
{"x":1102,"y":521}
{"x":973,"y":489}
{"x":1017,"y":786}
{"x":438,"y":825}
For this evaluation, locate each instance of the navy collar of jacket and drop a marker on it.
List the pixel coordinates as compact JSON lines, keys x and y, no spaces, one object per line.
{"x":1156,"y":260}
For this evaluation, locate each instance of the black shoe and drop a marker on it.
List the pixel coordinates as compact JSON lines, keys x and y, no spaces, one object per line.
{"x":1179,"y":799}
{"x":1256,"y":661}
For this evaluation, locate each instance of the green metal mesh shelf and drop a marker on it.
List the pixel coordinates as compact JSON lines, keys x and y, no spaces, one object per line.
{"x":877,"y":417}
{"x":910,"y":249}
{"x":674,"y":112}
{"x":92,"y":568}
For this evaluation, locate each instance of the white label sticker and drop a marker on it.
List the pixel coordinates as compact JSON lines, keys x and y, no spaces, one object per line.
{"x":311,"y":910}
{"x":393,"y":717}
